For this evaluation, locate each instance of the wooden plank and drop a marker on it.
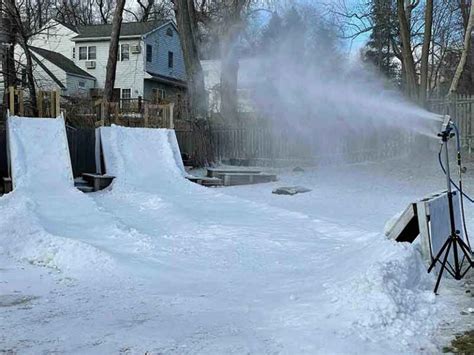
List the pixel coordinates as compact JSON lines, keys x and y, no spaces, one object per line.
{"x":11,"y":97}
{"x":21,"y":103}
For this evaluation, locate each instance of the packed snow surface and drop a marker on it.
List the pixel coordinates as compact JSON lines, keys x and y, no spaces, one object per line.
{"x":156,"y":263}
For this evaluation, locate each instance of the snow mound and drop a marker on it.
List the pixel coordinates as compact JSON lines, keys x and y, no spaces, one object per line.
{"x":393,"y":298}
{"x":23,"y":237}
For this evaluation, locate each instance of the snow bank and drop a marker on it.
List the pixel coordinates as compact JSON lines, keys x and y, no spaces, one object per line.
{"x":392,"y":299}
{"x":23,"y":236}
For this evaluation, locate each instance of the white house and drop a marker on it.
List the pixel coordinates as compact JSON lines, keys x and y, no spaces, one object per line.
{"x":56,"y":37}
{"x":150,"y":61}
{"x":248,"y":77}
{"x":53,"y":71}
{"x":53,"y":68}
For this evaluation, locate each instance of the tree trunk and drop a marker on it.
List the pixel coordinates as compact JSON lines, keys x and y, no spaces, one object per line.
{"x":425,"y":52}
{"x":8,"y":60}
{"x":229,"y":60}
{"x":30,"y":78}
{"x":407,"y":55}
{"x":229,"y":73}
{"x":465,"y":51}
{"x":113,"y":51}
{"x":187,"y":26}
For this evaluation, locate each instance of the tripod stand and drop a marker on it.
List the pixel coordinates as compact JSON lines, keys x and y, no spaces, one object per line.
{"x":454,"y":241}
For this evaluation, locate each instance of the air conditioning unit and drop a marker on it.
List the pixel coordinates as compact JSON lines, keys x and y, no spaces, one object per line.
{"x":135,"y":49}
{"x":90,"y":64}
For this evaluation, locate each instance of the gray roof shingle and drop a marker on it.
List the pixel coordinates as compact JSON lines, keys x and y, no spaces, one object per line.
{"x":127,"y":29}
{"x":61,"y":61}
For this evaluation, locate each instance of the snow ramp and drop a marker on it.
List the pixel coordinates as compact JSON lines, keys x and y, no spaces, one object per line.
{"x":38,"y":153}
{"x":145,"y":158}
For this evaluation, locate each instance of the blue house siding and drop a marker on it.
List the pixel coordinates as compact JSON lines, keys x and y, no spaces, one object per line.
{"x":162,"y":44}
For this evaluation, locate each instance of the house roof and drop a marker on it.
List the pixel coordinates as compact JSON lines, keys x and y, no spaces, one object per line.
{"x":45,"y":68}
{"x":67,"y":25}
{"x":166,"y":80}
{"x":129,"y":29}
{"x":61,"y":62}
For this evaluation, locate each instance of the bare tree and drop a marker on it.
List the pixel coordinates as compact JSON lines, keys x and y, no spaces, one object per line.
{"x":149,"y":10}
{"x":464,"y":54}
{"x":231,"y":28}
{"x":404,"y":12}
{"x":113,"y":51}
{"x":186,"y":18}
{"x":425,"y":52}
{"x":23,"y":30}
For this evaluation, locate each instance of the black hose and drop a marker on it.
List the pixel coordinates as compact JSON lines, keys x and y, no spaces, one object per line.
{"x":459,"y":188}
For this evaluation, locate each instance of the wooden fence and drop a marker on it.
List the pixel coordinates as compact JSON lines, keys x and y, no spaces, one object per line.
{"x":265,"y":145}
{"x":126,"y":112}
{"x":461,"y":110}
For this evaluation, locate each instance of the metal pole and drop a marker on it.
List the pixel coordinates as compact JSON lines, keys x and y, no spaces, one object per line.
{"x":451,"y":212}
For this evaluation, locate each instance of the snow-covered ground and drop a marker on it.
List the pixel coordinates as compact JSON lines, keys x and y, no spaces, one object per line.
{"x":158,"y":264}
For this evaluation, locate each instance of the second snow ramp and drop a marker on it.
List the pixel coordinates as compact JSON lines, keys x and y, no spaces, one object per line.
{"x":145,"y":158}
{"x":39,"y":153}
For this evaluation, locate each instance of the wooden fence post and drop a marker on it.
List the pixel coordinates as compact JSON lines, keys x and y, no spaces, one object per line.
{"x":116,"y":113}
{"x":39,"y":102}
{"x":21,"y":106}
{"x":57,"y":103}
{"x":171,"y":113}
{"x":11,"y":99}
{"x":102,"y":113}
{"x":145,"y":115}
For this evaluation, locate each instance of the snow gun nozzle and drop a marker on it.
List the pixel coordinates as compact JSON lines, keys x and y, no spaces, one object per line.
{"x":446,"y":129}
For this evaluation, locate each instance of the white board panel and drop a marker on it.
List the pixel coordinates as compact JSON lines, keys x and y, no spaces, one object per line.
{"x":440,"y":228}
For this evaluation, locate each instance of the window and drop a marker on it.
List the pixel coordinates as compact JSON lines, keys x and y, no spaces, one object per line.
{"x":170,"y":59}
{"x":82,"y":84}
{"x":82,"y":53}
{"x":91,"y":52}
{"x":169,"y":32}
{"x":126,"y":93}
{"x":73,"y":52}
{"x":149,"y":53}
{"x":161,"y":94}
{"x":124,"y":52}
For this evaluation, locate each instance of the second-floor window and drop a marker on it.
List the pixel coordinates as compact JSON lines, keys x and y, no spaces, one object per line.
{"x":170,"y":59}
{"x":73,"y":52}
{"x":149,"y":53}
{"x":124,"y":52}
{"x":82,"y":53}
{"x":91,"y":53}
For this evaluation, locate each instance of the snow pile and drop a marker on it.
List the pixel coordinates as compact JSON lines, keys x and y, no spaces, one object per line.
{"x":24,"y":237}
{"x":393,"y":298}
{"x":39,"y":153}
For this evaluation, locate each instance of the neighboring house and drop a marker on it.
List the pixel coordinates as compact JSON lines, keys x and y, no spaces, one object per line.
{"x":150,"y":61}
{"x":56,"y":37}
{"x":53,"y":71}
{"x":53,"y":68}
{"x":248,"y":77}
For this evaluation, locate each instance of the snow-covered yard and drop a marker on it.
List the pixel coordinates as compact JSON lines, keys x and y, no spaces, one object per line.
{"x":157,"y":264}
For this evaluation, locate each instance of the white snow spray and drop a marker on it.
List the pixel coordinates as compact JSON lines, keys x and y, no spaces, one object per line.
{"x":328,"y":103}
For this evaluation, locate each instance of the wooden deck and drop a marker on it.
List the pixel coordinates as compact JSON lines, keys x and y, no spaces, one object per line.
{"x":205,"y":181}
